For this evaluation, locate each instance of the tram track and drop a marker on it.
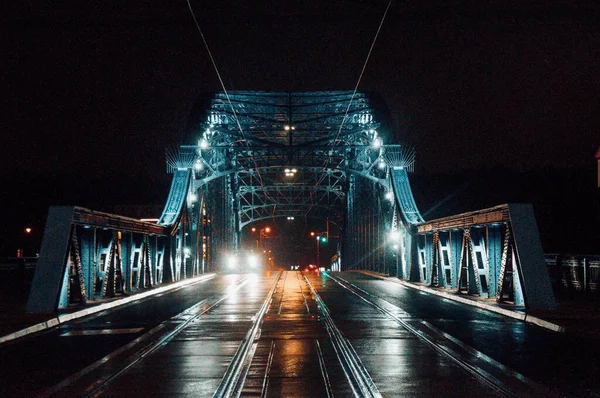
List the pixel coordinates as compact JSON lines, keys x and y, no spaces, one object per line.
{"x":320,"y":356}
{"x":136,"y":351}
{"x":233,"y":381}
{"x":503,"y":380}
{"x":167,"y":337}
{"x":357,"y":375}
{"x":291,"y":304}
{"x":265,"y":337}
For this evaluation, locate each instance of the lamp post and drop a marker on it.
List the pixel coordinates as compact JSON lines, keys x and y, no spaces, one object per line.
{"x":262,"y":234}
{"x":321,"y":237}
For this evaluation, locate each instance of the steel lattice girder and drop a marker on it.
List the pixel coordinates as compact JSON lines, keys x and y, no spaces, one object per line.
{"x":311,"y":117}
{"x":323,"y":136}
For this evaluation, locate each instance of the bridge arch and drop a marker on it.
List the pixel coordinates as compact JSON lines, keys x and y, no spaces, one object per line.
{"x":328,"y":155}
{"x":313,"y":154}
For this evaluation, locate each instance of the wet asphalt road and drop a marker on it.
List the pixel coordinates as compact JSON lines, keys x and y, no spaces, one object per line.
{"x":32,"y":364}
{"x":569,"y":365}
{"x":296,"y":350}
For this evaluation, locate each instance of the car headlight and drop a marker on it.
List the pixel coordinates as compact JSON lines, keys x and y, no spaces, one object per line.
{"x":253,"y":261}
{"x":232,"y":261}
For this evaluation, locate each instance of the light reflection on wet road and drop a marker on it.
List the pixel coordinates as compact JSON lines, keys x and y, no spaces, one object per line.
{"x":293,"y":352}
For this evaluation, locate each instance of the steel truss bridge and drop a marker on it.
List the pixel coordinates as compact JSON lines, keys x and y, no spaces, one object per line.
{"x":260,"y":155}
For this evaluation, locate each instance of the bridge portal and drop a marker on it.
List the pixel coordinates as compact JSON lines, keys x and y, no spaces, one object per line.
{"x":320,"y":155}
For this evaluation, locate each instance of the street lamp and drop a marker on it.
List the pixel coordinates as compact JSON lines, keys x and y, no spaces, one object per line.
{"x":321,"y":238}
{"x":290,"y":172}
{"x":262,"y":234}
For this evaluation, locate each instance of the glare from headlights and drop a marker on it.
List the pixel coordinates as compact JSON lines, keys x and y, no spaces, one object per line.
{"x":232,"y":261}
{"x":253,"y":260}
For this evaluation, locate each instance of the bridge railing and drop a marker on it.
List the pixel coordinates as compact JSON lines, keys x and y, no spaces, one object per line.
{"x":88,"y":255}
{"x":15,"y":263}
{"x":578,"y":273}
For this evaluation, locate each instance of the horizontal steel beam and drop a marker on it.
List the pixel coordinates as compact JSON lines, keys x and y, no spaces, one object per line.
{"x":97,"y":219}
{"x":497,"y":214}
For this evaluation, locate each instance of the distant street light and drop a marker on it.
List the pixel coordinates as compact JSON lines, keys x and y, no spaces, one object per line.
{"x":321,"y":237}
{"x":262,"y":234}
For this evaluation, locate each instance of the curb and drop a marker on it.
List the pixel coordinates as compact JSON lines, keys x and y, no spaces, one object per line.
{"x":62,"y":318}
{"x":502,"y":311}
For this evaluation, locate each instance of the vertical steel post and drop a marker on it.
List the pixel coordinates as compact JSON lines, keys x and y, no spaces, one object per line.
{"x":495,"y":243}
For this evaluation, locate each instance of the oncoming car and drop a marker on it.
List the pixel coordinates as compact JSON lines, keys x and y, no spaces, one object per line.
{"x":242,"y":261}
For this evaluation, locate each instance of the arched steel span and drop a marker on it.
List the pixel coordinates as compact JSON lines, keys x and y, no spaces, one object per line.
{"x":263,"y":155}
{"x":254,"y":137}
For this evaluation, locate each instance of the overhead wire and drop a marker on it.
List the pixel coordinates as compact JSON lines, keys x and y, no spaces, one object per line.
{"x":355,"y":89}
{"x":362,"y":71}
{"x":235,"y":113}
{"x":214,"y":64}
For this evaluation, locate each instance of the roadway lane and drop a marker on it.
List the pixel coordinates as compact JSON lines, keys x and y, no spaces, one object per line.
{"x":294,"y":357}
{"x":196,"y":359}
{"x":282,"y":334}
{"x":565,"y":364}
{"x":32,"y":364}
{"x":399,"y":363}
{"x":284,"y":359}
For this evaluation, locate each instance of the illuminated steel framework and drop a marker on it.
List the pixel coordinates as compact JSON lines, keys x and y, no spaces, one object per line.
{"x":334,"y":155}
{"x":299,"y":155}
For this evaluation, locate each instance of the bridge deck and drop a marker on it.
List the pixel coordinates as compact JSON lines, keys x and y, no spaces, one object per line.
{"x":318,"y":336}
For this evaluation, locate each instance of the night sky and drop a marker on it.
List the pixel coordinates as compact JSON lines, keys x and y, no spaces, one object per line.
{"x":93,"y":94}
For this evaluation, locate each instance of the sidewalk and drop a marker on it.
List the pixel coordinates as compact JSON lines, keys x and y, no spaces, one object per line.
{"x":16,"y":323}
{"x":574,"y":315}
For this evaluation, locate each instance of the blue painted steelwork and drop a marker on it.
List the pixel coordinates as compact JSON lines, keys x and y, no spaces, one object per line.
{"x":404,"y":196}
{"x":88,"y":255}
{"x":261,"y":155}
{"x":177,"y":197}
{"x":500,"y":255}
{"x":293,"y":155}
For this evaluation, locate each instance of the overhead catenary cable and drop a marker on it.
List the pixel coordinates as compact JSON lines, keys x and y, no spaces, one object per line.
{"x":214,"y":64}
{"x":362,"y":71}
{"x":356,"y":87}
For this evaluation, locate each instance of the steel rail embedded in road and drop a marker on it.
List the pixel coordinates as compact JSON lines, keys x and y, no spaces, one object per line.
{"x":168,"y":337}
{"x":504,"y":380}
{"x":97,"y":388}
{"x":323,"y":368}
{"x":320,"y":356}
{"x":360,"y":381}
{"x":265,"y":385}
{"x":233,"y":381}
